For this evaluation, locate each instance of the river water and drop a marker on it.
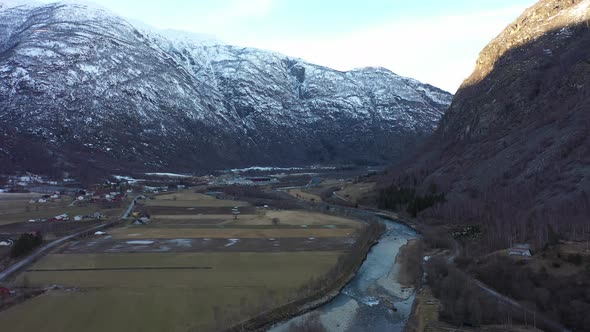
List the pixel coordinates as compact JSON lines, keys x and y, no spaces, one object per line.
{"x":365,"y":304}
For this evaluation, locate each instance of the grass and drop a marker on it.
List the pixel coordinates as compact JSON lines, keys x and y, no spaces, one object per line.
{"x":354,"y":192}
{"x":304,"y":195}
{"x":235,"y":288}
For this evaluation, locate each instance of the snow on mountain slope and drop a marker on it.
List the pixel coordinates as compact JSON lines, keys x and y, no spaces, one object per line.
{"x":88,"y":88}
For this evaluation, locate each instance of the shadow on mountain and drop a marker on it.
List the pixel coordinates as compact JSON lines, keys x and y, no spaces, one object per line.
{"x":513,"y":150}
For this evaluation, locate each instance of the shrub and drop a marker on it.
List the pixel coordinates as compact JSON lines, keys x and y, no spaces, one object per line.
{"x":25,"y":244}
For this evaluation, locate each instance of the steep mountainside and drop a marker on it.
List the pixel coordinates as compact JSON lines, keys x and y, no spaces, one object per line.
{"x":81,"y":86}
{"x":513,"y":150}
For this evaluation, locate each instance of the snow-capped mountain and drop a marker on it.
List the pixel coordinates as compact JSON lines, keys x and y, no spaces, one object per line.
{"x":82,"y":86}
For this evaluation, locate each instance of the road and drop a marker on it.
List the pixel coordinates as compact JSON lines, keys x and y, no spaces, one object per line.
{"x":51,"y":245}
{"x":541,"y":320}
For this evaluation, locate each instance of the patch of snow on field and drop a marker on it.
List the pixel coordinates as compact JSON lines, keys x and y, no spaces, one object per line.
{"x":140,"y":242}
{"x":126,"y":178}
{"x":163,"y":249}
{"x":231,"y":242}
{"x":169,"y":175}
{"x":186,"y":243}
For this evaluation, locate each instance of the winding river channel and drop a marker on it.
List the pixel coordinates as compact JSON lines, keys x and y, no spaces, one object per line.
{"x":367,"y":302}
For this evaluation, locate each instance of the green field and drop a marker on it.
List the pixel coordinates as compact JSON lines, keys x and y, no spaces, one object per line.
{"x":236,"y":286}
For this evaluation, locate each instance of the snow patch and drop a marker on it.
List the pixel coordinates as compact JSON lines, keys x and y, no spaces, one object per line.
{"x":231,"y":242}
{"x":141,"y":242}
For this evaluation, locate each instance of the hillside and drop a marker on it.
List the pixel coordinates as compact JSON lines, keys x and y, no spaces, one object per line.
{"x":85,"y":90}
{"x":513,"y":150}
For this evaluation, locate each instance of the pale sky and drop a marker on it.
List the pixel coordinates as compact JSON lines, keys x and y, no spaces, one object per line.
{"x":434,"y":41}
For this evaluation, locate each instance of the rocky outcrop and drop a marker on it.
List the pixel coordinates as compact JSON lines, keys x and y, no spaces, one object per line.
{"x":513,"y":150}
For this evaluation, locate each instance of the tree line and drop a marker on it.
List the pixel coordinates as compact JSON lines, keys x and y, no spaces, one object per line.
{"x":397,"y":198}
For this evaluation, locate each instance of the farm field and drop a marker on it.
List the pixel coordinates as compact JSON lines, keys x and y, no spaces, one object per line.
{"x":11,"y":218}
{"x":304,"y":195}
{"x":229,"y":232}
{"x":170,"y":299}
{"x":188,"y":199}
{"x":354,"y":192}
{"x":193,"y":267}
{"x":17,"y":208}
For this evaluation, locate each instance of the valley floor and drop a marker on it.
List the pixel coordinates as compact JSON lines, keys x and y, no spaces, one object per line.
{"x":193,"y":267}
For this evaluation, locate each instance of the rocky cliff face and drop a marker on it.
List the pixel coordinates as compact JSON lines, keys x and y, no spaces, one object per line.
{"x":81,"y":86}
{"x":514,"y":147}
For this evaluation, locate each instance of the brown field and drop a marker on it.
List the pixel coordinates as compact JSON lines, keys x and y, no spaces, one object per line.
{"x":194,"y":268}
{"x":304,"y":195}
{"x":354,"y":192}
{"x":16,"y":222}
{"x":205,"y":245}
{"x":191,"y":199}
{"x":226,"y":233}
{"x":18,"y":196}
{"x":197,"y":210}
{"x":296,"y":218}
{"x":235,"y":286}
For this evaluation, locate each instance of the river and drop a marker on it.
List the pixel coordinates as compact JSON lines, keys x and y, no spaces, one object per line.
{"x":365,"y":303}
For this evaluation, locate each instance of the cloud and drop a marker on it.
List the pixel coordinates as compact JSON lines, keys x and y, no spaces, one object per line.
{"x":228,"y":18}
{"x":250,"y":8}
{"x":439,"y":50}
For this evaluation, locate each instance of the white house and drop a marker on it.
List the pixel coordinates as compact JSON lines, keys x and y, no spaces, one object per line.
{"x":520,"y":250}
{"x":6,"y":243}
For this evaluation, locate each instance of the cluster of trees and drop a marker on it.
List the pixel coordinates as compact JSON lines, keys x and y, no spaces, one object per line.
{"x":564,"y":298}
{"x":25,"y":244}
{"x":462,"y":302}
{"x":396,"y":198}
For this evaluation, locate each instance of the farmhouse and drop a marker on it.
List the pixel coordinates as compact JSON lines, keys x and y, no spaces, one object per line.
{"x":520,"y":250}
{"x":61,"y":217}
{"x":6,"y":242}
{"x":4,"y":291}
{"x":142,"y":221}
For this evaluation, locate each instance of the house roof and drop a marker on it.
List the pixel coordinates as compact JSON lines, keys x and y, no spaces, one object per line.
{"x":519,"y":250}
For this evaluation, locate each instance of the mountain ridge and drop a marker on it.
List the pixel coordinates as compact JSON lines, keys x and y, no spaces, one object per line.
{"x":87,"y":88}
{"x":512,"y":150}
